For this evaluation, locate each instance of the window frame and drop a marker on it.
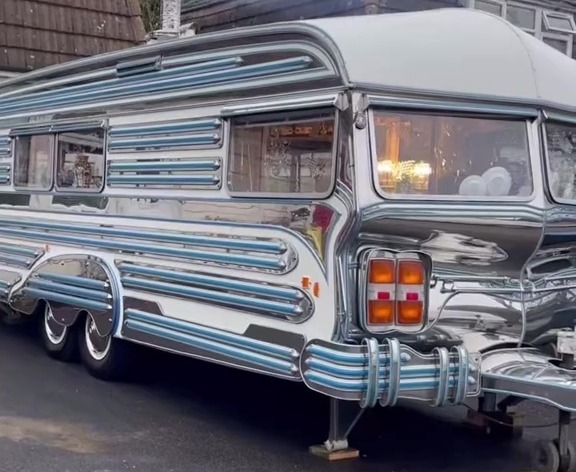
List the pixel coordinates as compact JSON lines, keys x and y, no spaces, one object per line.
{"x":562,"y":121}
{"x":565,"y":16}
{"x":500,"y":3}
{"x":542,"y":27}
{"x":301,"y":115}
{"x":59,"y":189}
{"x":51,"y":151}
{"x":559,"y":37}
{"x":537,"y":29}
{"x":447,"y":198}
{"x":53,"y":130}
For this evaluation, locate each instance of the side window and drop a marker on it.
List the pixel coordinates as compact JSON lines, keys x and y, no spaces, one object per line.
{"x":33,"y":162}
{"x":435,"y":155}
{"x":80,"y":160}
{"x":283,"y":155}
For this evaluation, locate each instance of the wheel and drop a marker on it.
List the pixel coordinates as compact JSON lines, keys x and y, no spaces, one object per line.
{"x":567,"y":462}
{"x":546,"y":457}
{"x":104,"y":357}
{"x":58,"y":340}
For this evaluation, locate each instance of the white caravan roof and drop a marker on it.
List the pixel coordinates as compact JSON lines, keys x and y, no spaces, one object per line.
{"x":452,"y":51}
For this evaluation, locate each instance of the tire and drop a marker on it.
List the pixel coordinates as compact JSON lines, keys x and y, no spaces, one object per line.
{"x":59,"y":341}
{"x":567,"y":462}
{"x":105,"y":358}
{"x":545,"y":457}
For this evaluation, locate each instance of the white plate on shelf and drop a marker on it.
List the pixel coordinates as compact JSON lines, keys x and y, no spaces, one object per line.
{"x":473,"y":186}
{"x":498,"y":181}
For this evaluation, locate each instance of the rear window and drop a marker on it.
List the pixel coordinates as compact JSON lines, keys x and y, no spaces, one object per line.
{"x":420,"y":154}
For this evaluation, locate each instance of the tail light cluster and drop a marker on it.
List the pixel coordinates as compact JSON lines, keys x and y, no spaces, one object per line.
{"x":396,"y":292}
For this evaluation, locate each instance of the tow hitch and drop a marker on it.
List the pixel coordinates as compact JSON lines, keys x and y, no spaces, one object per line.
{"x":559,"y":455}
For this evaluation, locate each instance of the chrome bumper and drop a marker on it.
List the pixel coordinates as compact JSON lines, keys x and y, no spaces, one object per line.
{"x":373,"y":372}
{"x":528,"y":373}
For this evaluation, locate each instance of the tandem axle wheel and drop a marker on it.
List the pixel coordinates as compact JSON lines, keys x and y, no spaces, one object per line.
{"x":558,"y":455}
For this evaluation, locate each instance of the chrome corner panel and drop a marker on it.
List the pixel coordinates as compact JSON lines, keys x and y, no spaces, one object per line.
{"x":72,"y":284}
{"x":384,"y":373}
{"x":531,"y":375}
{"x":496,"y":267}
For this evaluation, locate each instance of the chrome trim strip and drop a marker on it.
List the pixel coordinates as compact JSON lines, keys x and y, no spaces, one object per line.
{"x":75,"y":281}
{"x":259,"y":353}
{"x":202,"y":294}
{"x":317,"y":101}
{"x":72,"y":301}
{"x":48,"y":285}
{"x":150,"y":129}
{"x":565,"y":117}
{"x":164,"y":165}
{"x":164,"y":142}
{"x":57,"y":127}
{"x":445,"y":105}
{"x":211,"y":281}
{"x":16,"y":261}
{"x":5,"y":147}
{"x":220,"y":242}
{"x":132,"y":87}
{"x":252,"y":261}
{"x":116,"y":84}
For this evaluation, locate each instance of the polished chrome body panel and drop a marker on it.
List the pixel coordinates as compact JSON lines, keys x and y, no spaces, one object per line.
{"x":165,"y":254}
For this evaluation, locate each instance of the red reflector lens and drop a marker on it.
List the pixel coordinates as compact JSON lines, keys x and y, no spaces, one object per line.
{"x":383,"y":295}
{"x":412,"y":297}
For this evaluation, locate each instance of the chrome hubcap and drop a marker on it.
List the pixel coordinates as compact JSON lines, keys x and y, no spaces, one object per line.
{"x":54,"y":330}
{"x":98,"y":346}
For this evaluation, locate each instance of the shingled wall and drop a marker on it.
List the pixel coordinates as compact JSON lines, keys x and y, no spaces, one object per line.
{"x":39,"y":33}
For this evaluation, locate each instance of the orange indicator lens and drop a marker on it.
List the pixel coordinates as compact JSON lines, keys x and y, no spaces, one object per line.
{"x":381,"y":271}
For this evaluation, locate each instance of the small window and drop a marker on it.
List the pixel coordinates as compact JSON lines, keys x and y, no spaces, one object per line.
{"x":294,"y":155}
{"x":81,"y":161}
{"x":495,"y":8}
{"x":559,"y":43}
{"x":33,"y":166}
{"x":559,"y":22}
{"x":561,"y":147}
{"x":524,"y":18}
{"x":418,"y":154}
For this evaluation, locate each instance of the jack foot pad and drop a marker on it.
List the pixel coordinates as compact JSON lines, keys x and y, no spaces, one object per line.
{"x":340,"y":455}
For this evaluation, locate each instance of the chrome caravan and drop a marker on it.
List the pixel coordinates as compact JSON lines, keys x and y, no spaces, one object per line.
{"x":328,"y":201}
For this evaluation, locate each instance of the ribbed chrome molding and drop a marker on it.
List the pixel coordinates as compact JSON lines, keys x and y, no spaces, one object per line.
{"x":251,"y":296}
